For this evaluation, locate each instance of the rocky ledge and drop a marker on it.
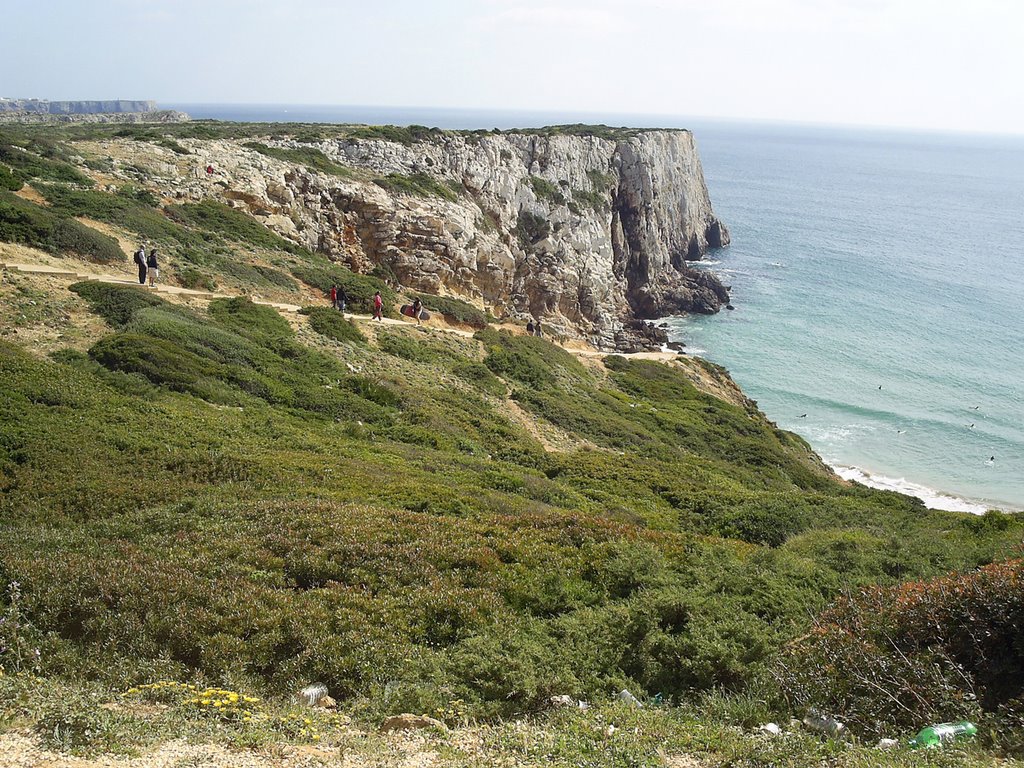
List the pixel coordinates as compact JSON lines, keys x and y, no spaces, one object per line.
{"x":586,"y":233}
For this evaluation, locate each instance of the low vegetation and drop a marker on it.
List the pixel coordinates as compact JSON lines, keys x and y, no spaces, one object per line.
{"x":454,"y":310}
{"x":307,"y":157}
{"x":203,"y":505}
{"x":420,"y":185}
{"x":22,"y":221}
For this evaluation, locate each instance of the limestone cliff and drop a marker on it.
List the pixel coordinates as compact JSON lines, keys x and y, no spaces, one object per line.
{"x":44,"y":106}
{"x":587,"y":233}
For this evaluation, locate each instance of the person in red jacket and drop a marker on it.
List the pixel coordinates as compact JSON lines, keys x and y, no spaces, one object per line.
{"x":378,"y":306}
{"x":334,"y":296}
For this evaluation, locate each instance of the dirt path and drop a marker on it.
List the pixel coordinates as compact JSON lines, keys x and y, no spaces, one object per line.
{"x":14,"y":260}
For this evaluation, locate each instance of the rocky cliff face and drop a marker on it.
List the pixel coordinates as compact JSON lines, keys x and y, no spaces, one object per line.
{"x":44,"y":106}
{"x":587,"y":234}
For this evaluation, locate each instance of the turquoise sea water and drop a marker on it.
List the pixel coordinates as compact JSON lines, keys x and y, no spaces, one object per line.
{"x":864,"y":260}
{"x":860,"y":259}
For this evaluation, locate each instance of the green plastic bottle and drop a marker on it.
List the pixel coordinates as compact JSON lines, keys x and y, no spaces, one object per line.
{"x":944,"y":733}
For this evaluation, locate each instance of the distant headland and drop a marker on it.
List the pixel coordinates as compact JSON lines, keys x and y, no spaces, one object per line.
{"x":111,"y":111}
{"x":47,"y":107}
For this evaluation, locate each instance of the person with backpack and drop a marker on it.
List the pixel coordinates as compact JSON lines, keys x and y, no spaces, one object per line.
{"x":140,"y":261}
{"x":152,"y":268}
{"x":529,"y":328}
{"x":378,"y":307}
{"x":342,"y":300}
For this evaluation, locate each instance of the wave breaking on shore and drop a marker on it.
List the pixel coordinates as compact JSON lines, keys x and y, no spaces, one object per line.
{"x":930,"y":497}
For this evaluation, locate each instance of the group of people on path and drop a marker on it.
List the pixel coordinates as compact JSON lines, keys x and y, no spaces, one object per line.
{"x":339,"y":299}
{"x":533,"y":328}
{"x":148,"y":265}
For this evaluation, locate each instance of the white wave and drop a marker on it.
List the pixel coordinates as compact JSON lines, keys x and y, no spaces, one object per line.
{"x":778,"y":264}
{"x":932,"y":499}
{"x":705,"y":263}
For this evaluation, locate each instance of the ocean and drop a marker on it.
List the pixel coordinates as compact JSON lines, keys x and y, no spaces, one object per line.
{"x":878,"y":282}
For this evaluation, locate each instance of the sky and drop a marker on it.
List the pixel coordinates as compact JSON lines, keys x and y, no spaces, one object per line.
{"x":932,"y":64}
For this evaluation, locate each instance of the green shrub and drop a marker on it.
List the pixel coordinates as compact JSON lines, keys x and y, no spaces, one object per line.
{"x":254,"y":321}
{"x":10,"y":180}
{"x":454,"y":310}
{"x":601,"y":181}
{"x":531,"y":228}
{"x":596,"y":201}
{"x":918,"y":653}
{"x":212,"y":216}
{"x":358,"y":288}
{"x":74,"y":237}
{"x":546,"y":191}
{"x":528,"y":360}
{"x":329,"y":322}
{"x":480,"y":376}
{"x":193,"y":279}
{"x":419,"y":185}
{"x":76,"y":721}
{"x":116,"y":304}
{"x":404,"y":346}
{"x":29,"y":165}
{"x":305,"y":156}
{"x":127,"y":209}
{"x":24,"y":222}
{"x":407,"y":135}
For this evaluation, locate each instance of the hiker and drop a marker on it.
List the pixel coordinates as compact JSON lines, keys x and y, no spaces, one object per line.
{"x":140,"y":260}
{"x":417,"y":310}
{"x":153,"y":268}
{"x":209,"y":170}
{"x":334,"y":296}
{"x":342,"y":300}
{"x":537,"y":331}
{"x":378,"y":307}
{"x":529,"y":328}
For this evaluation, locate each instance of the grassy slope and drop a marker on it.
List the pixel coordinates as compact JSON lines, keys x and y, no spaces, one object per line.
{"x":220,"y":499}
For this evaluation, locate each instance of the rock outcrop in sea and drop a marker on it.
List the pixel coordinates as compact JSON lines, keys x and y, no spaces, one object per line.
{"x":588,"y":233}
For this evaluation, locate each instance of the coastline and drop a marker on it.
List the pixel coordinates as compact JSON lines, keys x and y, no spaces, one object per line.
{"x":931,"y":498}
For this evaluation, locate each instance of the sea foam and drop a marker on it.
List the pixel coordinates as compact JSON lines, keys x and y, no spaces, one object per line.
{"x":932,"y":499}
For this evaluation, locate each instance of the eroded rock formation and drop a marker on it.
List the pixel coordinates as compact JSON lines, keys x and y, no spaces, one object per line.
{"x":585,"y":233}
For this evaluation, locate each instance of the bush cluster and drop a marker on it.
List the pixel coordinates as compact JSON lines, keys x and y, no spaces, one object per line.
{"x":331,"y":323}
{"x":420,"y":185}
{"x":359,"y":288}
{"x":921,"y":652}
{"x":25,"y":222}
{"x":304,"y":156}
{"x":455,"y":310}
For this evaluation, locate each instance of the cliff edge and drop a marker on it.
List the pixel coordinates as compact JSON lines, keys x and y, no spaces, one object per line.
{"x":587,"y":233}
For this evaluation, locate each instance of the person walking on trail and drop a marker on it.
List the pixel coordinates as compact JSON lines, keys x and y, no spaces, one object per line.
{"x":140,"y":261}
{"x":378,"y":307}
{"x":152,"y":268}
{"x":529,"y":328}
{"x":417,"y":310}
{"x":342,"y":300}
{"x":539,"y":333}
{"x":334,"y":296}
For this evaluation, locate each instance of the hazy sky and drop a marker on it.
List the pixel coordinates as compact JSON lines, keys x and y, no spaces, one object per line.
{"x":942,"y":64}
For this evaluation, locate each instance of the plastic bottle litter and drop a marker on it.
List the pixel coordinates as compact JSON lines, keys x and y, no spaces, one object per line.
{"x":824,"y":724}
{"x":944,"y":733}
{"x":312,"y":694}
{"x":628,"y":697}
